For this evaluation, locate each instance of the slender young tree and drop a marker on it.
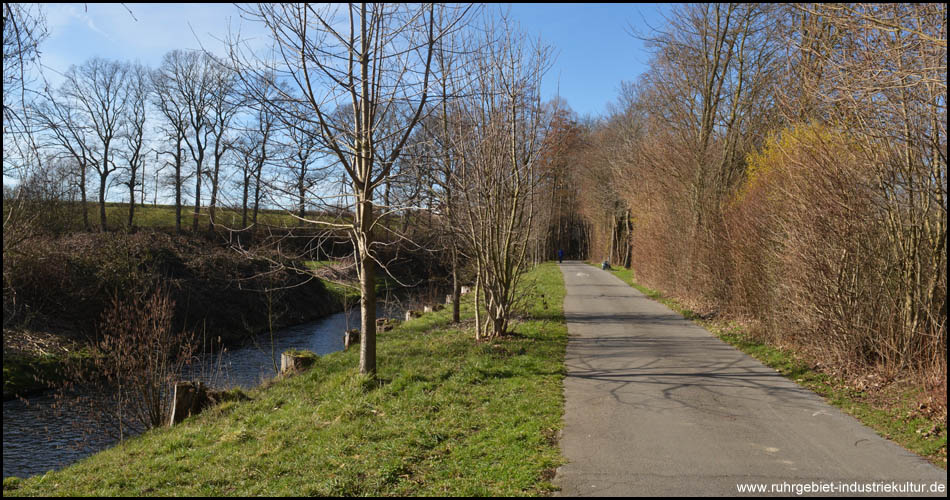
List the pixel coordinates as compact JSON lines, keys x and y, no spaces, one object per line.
{"x":196,"y":89}
{"x":375,"y":61}
{"x":500,"y":140}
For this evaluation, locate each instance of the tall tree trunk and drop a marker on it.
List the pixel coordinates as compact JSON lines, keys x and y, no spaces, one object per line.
{"x":102,"y":202}
{"x":214,"y":192}
{"x":257,"y":198}
{"x":131,"y":203}
{"x":178,"y":195}
{"x":247,"y":182}
{"x":82,"y":195}
{"x":302,"y":191}
{"x":194,"y":221}
{"x":456,"y":288}
{"x":368,"y":289}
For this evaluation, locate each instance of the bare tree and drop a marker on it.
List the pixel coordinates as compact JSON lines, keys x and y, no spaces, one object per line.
{"x":707,"y":92}
{"x":98,"y":93}
{"x":440,"y":136}
{"x":173,"y":107}
{"x":24,"y":28}
{"x":376,"y":59}
{"x":500,"y":138}
{"x":304,"y":151}
{"x":196,"y":87}
{"x":226,"y":103}
{"x":257,"y":143}
{"x":139,"y":89}
{"x":65,"y":131}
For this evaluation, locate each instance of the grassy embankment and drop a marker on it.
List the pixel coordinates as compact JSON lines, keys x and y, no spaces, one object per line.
{"x":56,"y":289}
{"x":33,"y":370}
{"x":448,"y":416}
{"x":893,"y":412}
{"x":58,"y":282}
{"x":163,"y":216}
{"x":29,"y":373}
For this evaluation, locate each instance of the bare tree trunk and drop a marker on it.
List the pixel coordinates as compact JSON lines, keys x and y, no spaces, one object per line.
{"x":131,"y":203}
{"x":456,"y":287}
{"x":82,"y":196}
{"x":194,"y":221}
{"x":244,"y":203}
{"x":478,"y":303}
{"x":368,"y":290}
{"x":178,"y":194}
{"x":214,"y":193}
{"x":102,"y":203}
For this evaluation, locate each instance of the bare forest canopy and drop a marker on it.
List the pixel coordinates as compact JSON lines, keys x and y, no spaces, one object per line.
{"x":780,"y":164}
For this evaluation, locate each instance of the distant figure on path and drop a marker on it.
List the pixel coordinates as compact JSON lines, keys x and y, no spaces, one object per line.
{"x":560,"y":256}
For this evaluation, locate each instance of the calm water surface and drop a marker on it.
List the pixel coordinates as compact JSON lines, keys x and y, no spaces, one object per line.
{"x":36,"y":439}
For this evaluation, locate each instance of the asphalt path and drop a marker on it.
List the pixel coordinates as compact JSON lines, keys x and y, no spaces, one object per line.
{"x":656,"y":405}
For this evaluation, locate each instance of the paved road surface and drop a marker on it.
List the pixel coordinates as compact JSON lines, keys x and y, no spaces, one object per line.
{"x":656,"y":405}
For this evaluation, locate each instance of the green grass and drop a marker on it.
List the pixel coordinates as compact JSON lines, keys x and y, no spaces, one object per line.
{"x":446,"y":416}
{"x":313,"y":265}
{"x":24,"y":374}
{"x":117,"y":215}
{"x":892,"y":414}
{"x":163,"y":216}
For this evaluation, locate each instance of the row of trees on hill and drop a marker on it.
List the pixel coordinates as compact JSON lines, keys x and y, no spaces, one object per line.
{"x":192,"y":119}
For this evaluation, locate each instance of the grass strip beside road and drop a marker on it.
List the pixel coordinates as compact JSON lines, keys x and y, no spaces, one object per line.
{"x":892,"y":413}
{"x":447,"y":416}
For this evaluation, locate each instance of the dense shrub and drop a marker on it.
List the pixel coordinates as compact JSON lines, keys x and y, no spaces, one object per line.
{"x":816,"y":262}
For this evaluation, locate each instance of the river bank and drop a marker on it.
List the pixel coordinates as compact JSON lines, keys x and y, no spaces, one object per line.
{"x":48,"y":431}
{"x":57,"y":288}
{"x":445,"y":416}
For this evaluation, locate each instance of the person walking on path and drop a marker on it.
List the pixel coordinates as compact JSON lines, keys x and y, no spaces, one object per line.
{"x":560,"y":256}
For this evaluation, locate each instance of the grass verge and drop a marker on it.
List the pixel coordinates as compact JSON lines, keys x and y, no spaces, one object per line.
{"x":25,"y":374}
{"x":446,"y":416}
{"x":892,"y":412}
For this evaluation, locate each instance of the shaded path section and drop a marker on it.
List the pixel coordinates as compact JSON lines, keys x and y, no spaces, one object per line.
{"x":656,"y":405}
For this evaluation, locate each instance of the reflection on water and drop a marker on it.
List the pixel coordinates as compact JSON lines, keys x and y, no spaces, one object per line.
{"x":36,"y":439}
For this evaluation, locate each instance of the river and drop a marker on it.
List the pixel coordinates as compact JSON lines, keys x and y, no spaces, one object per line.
{"x":37,"y":439}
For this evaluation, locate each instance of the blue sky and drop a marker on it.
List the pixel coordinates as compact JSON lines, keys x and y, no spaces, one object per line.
{"x":594,"y":50}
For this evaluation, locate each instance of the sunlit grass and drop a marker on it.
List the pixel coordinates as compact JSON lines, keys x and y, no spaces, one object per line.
{"x":446,"y":416}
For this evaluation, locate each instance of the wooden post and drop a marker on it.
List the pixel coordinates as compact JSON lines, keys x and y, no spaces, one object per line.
{"x":351,"y":337}
{"x":386,"y":324}
{"x":291,"y":361}
{"x":189,"y":399}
